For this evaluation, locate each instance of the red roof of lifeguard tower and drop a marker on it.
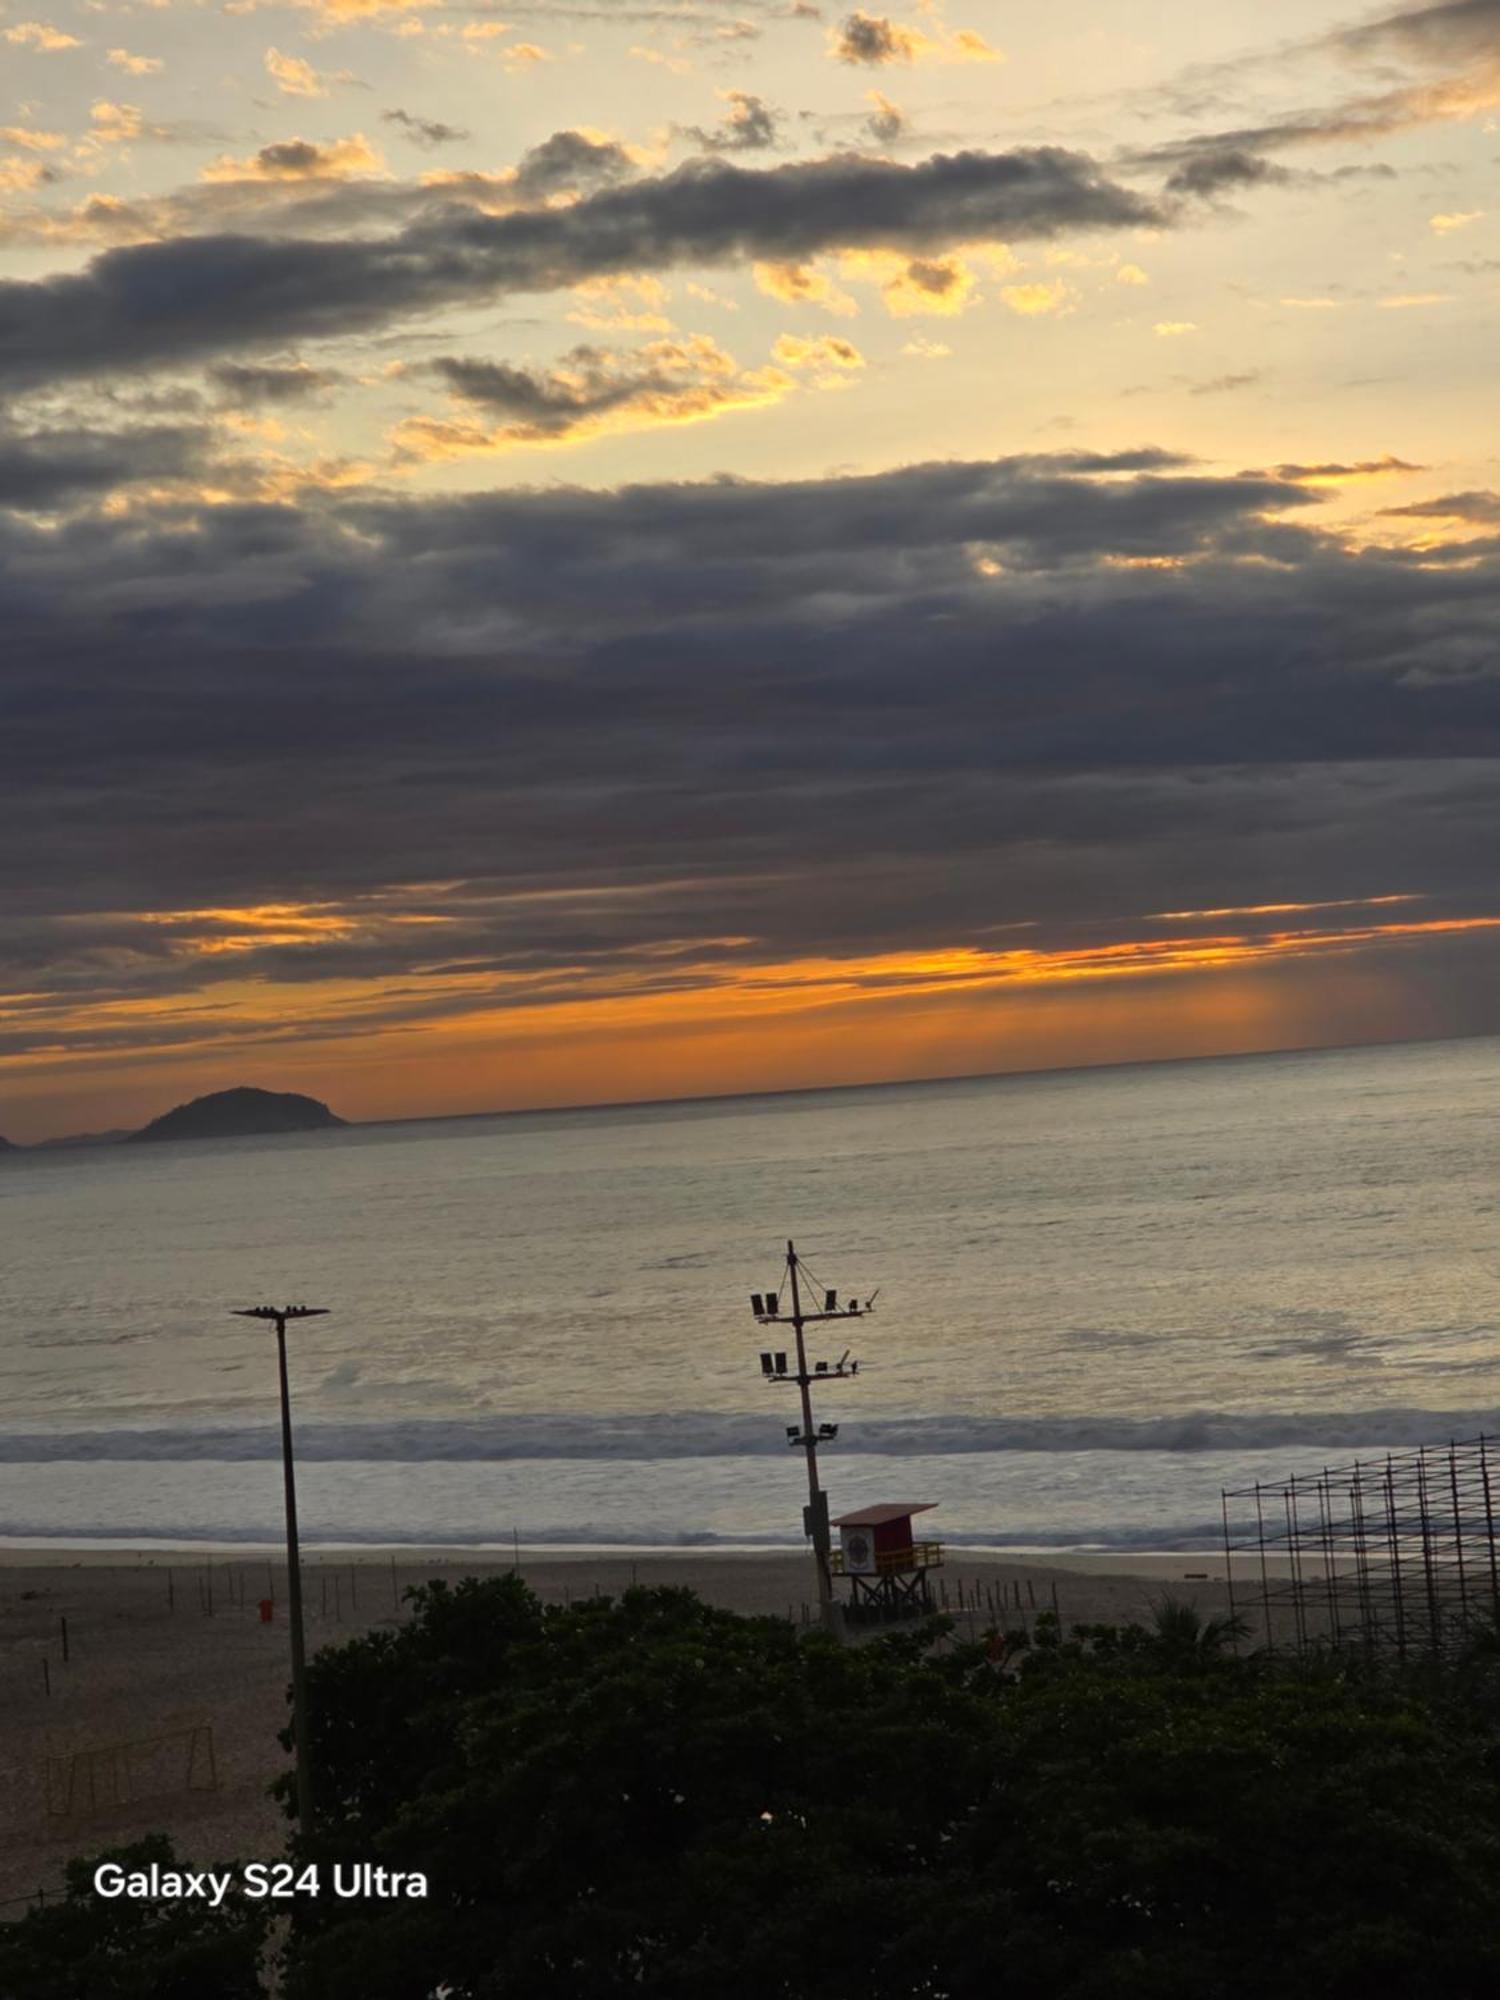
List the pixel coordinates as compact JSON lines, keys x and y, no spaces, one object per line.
{"x":877,"y":1517}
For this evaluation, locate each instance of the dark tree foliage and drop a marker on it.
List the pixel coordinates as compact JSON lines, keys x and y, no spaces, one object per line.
{"x":87,"y":1947}
{"x":654,"y":1798}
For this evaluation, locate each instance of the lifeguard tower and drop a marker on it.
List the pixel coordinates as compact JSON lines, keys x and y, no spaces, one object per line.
{"x":884,"y":1563}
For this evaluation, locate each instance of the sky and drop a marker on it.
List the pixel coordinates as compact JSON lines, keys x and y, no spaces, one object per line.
{"x":577,"y":552}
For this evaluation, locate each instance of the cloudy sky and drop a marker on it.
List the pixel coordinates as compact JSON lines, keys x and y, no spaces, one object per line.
{"x":585,"y":551}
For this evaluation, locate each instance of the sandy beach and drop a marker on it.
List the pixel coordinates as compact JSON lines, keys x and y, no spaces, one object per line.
{"x":164,"y":1713}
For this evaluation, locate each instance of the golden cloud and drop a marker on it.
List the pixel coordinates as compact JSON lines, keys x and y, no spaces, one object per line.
{"x":802,"y":285}
{"x":627,"y":304}
{"x":589,"y":394}
{"x":943,"y":286}
{"x":819,"y":351}
{"x":41,"y":36}
{"x":343,"y":11}
{"x":686,"y":987}
{"x":874,"y":41}
{"x":293,"y":76}
{"x":18,"y":176}
{"x":134,"y":65}
{"x":115,"y":124}
{"x":30,"y":140}
{"x":1037,"y":299}
{"x":300,"y":160}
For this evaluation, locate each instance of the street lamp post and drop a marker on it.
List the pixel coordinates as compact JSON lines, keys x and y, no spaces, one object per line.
{"x":281,"y":1314}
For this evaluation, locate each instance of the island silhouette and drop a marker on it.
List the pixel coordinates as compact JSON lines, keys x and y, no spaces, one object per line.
{"x":239,"y":1113}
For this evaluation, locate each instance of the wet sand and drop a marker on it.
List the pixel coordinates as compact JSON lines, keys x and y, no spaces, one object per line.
{"x":164,"y":1714}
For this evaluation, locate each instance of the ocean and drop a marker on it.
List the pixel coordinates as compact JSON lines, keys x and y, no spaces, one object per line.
{"x":1103,"y":1296}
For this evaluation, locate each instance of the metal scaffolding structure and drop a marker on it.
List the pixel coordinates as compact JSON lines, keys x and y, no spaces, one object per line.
{"x":1395,"y":1554}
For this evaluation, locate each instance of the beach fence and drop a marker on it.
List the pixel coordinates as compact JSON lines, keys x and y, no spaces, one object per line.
{"x":81,"y":1783}
{"x":1391,"y":1555}
{"x":13,"y":1908}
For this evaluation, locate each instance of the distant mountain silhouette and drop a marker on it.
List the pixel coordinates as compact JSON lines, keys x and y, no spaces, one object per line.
{"x":238,"y":1114}
{"x":6,"y":1146}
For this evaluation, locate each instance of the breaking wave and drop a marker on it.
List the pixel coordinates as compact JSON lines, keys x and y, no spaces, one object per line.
{"x":700,"y":1434}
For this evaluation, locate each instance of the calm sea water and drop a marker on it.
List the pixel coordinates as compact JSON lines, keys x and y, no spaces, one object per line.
{"x":1104,"y":1295}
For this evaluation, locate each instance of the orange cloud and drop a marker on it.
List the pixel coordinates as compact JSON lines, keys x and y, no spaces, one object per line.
{"x":590,"y":393}
{"x":42,"y":36}
{"x":300,"y":160}
{"x":802,"y":285}
{"x":819,"y":351}
{"x":294,"y":76}
{"x":1037,"y":299}
{"x":676,"y":1027}
{"x":1278,"y":909}
{"x":134,"y":65}
{"x":944,"y":286}
{"x":671,"y":981}
{"x":874,"y":41}
{"x":1336,"y":474}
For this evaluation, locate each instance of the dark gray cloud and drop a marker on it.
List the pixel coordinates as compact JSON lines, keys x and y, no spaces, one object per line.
{"x":887,"y":122}
{"x":1337,"y":468}
{"x":571,"y":161}
{"x":876,"y":709}
{"x":299,"y":188}
{"x":1222,"y":385}
{"x":871,"y":40}
{"x":250,"y":384}
{"x":750,"y":125}
{"x":1209,"y":173}
{"x":50,"y":466}
{"x":1457,"y":38}
{"x":639,"y":735}
{"x":163,"y":304}
{"x":1482,"y":509}
{"x":294,"y":156}
{"x":1453,"y":31}
{"x":1354,"y":121}
{"x":536,"y":405}
{"x":1434,"y":63}
{"x":425,"y":132}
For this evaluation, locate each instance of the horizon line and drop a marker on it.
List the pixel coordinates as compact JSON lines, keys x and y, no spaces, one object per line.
{"x":955,"y":1076}
{"x":797,"y":1090}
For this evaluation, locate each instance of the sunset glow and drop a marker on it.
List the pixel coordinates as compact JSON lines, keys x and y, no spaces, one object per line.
{"x":615,"y":554}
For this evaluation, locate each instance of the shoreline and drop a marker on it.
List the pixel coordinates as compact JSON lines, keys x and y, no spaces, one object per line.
{"x":39,"y":1553}
{"x":1142,"y":1566}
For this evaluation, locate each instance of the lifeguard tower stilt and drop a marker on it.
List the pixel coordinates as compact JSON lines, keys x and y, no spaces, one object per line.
{"x":807,"y":1436}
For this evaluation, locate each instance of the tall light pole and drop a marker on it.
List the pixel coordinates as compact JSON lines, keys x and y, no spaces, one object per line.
{"x":281,"y":1314}
{"x":766,"y":1307}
